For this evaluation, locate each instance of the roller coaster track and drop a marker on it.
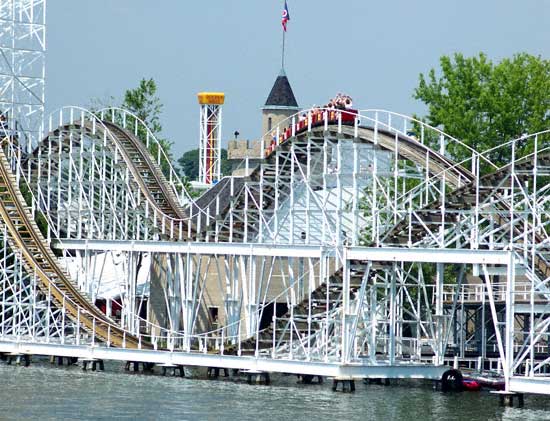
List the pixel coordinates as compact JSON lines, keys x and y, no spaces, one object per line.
{"x":197,"y":219}
{"x":463,"y":198}
{"x":492,"y":185}
{"x":403,"y":146}
{"x":148,"y":174}
{"x":438,"y":215}
{"x":173,"y":220}
{"x":430,"y":218}
{"x":24,"y":235}
{"x":155,"y":189}
{"x":409,"y":148}
{"x":329,"y":297}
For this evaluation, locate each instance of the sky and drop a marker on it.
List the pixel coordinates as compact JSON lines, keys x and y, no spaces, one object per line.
{"x":373,"y":51}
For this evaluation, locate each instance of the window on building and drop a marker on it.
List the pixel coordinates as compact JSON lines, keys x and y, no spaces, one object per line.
{"x":213,"y":313}
{"x":269,"y":124}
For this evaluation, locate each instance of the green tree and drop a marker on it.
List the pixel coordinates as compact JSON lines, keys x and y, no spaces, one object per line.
{"x":145,"y":104}
{"x":486,"y":104}
{"x":226,"y":165}
{"x":189,"y":163}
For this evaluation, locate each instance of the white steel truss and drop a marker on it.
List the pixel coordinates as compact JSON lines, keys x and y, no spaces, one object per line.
{"x":22,"y":69}
{"x":279,"y":269}
{"x":356,"y":247}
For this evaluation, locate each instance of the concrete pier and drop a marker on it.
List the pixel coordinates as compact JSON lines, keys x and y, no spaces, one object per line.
{"x":214,"y":372}
{"x":19,"y":359}
{"x":347,"y":384}
{"x":146,"y":367}
{"x":60,"y":360}
{"x":174,"y":368}
{"x":257,"y":377}
{"x":94,"y":364}
{"x":510,"y":399}
{"x":380,"y":381}
{"x":309,"y":379}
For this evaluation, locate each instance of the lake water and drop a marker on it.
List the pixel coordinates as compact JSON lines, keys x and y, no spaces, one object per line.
{"x":47,"y":392}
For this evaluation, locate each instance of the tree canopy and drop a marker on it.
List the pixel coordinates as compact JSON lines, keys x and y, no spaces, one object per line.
{"x":485,"y":104}
{"x":189,"y":163}
{"x":145,"y":104}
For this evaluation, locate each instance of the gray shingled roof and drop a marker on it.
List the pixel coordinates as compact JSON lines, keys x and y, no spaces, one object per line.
{"x":281,"y":94}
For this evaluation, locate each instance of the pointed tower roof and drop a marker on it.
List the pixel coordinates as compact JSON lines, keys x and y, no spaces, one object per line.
{"x":281,"y":95}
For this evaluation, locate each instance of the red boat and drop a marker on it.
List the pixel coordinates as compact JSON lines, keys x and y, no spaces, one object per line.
{"x":471,"y":385}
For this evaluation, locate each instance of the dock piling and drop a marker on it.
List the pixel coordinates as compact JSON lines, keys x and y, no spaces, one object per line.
{"x":348,"y":384}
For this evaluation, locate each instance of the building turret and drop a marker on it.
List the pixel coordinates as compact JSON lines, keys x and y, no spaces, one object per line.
{"x":280,"y":103}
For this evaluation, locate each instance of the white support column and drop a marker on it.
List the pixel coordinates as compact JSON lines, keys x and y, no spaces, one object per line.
{"x":231,"y":298}
{"x":373,"y":322}
{"x":179,"y":275}
{"x":247,"y":274}
{"x":356,"y":195}
{"x":339,"y":235}
{"x":439,"y":317}
{"x":393,"y":311}
{"x":510,"y":321}
{"x":346,"y":319}
{"x":188,"y":301}
{"x":293,"y":174}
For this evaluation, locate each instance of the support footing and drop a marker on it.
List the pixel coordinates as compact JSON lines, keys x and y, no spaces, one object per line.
{"x":146,"y":367}
{"x":95,"y":365}
{"x":257,"y":377}
{"x":379,"y":381}
{"x":174,"y":369}
{"x":214,"y":372}
{"x":60,"y":360}
{"x":510,"y":399}
{"x":309,"y":379}
{"x":347,"y":384}
{"x":19,"y":359}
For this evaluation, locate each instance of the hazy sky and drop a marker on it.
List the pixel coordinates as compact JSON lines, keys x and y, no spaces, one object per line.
{"x":373,"y":51}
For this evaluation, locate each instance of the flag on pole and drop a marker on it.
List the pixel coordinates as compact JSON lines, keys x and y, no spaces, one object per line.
{"x":286,"y":17}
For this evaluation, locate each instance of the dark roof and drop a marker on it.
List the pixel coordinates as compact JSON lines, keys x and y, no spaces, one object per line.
{"x":281,"y":94}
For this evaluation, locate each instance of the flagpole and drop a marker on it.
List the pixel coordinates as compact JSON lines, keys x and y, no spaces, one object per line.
{"x":283,"y":54}
{"x":286,"y":18}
